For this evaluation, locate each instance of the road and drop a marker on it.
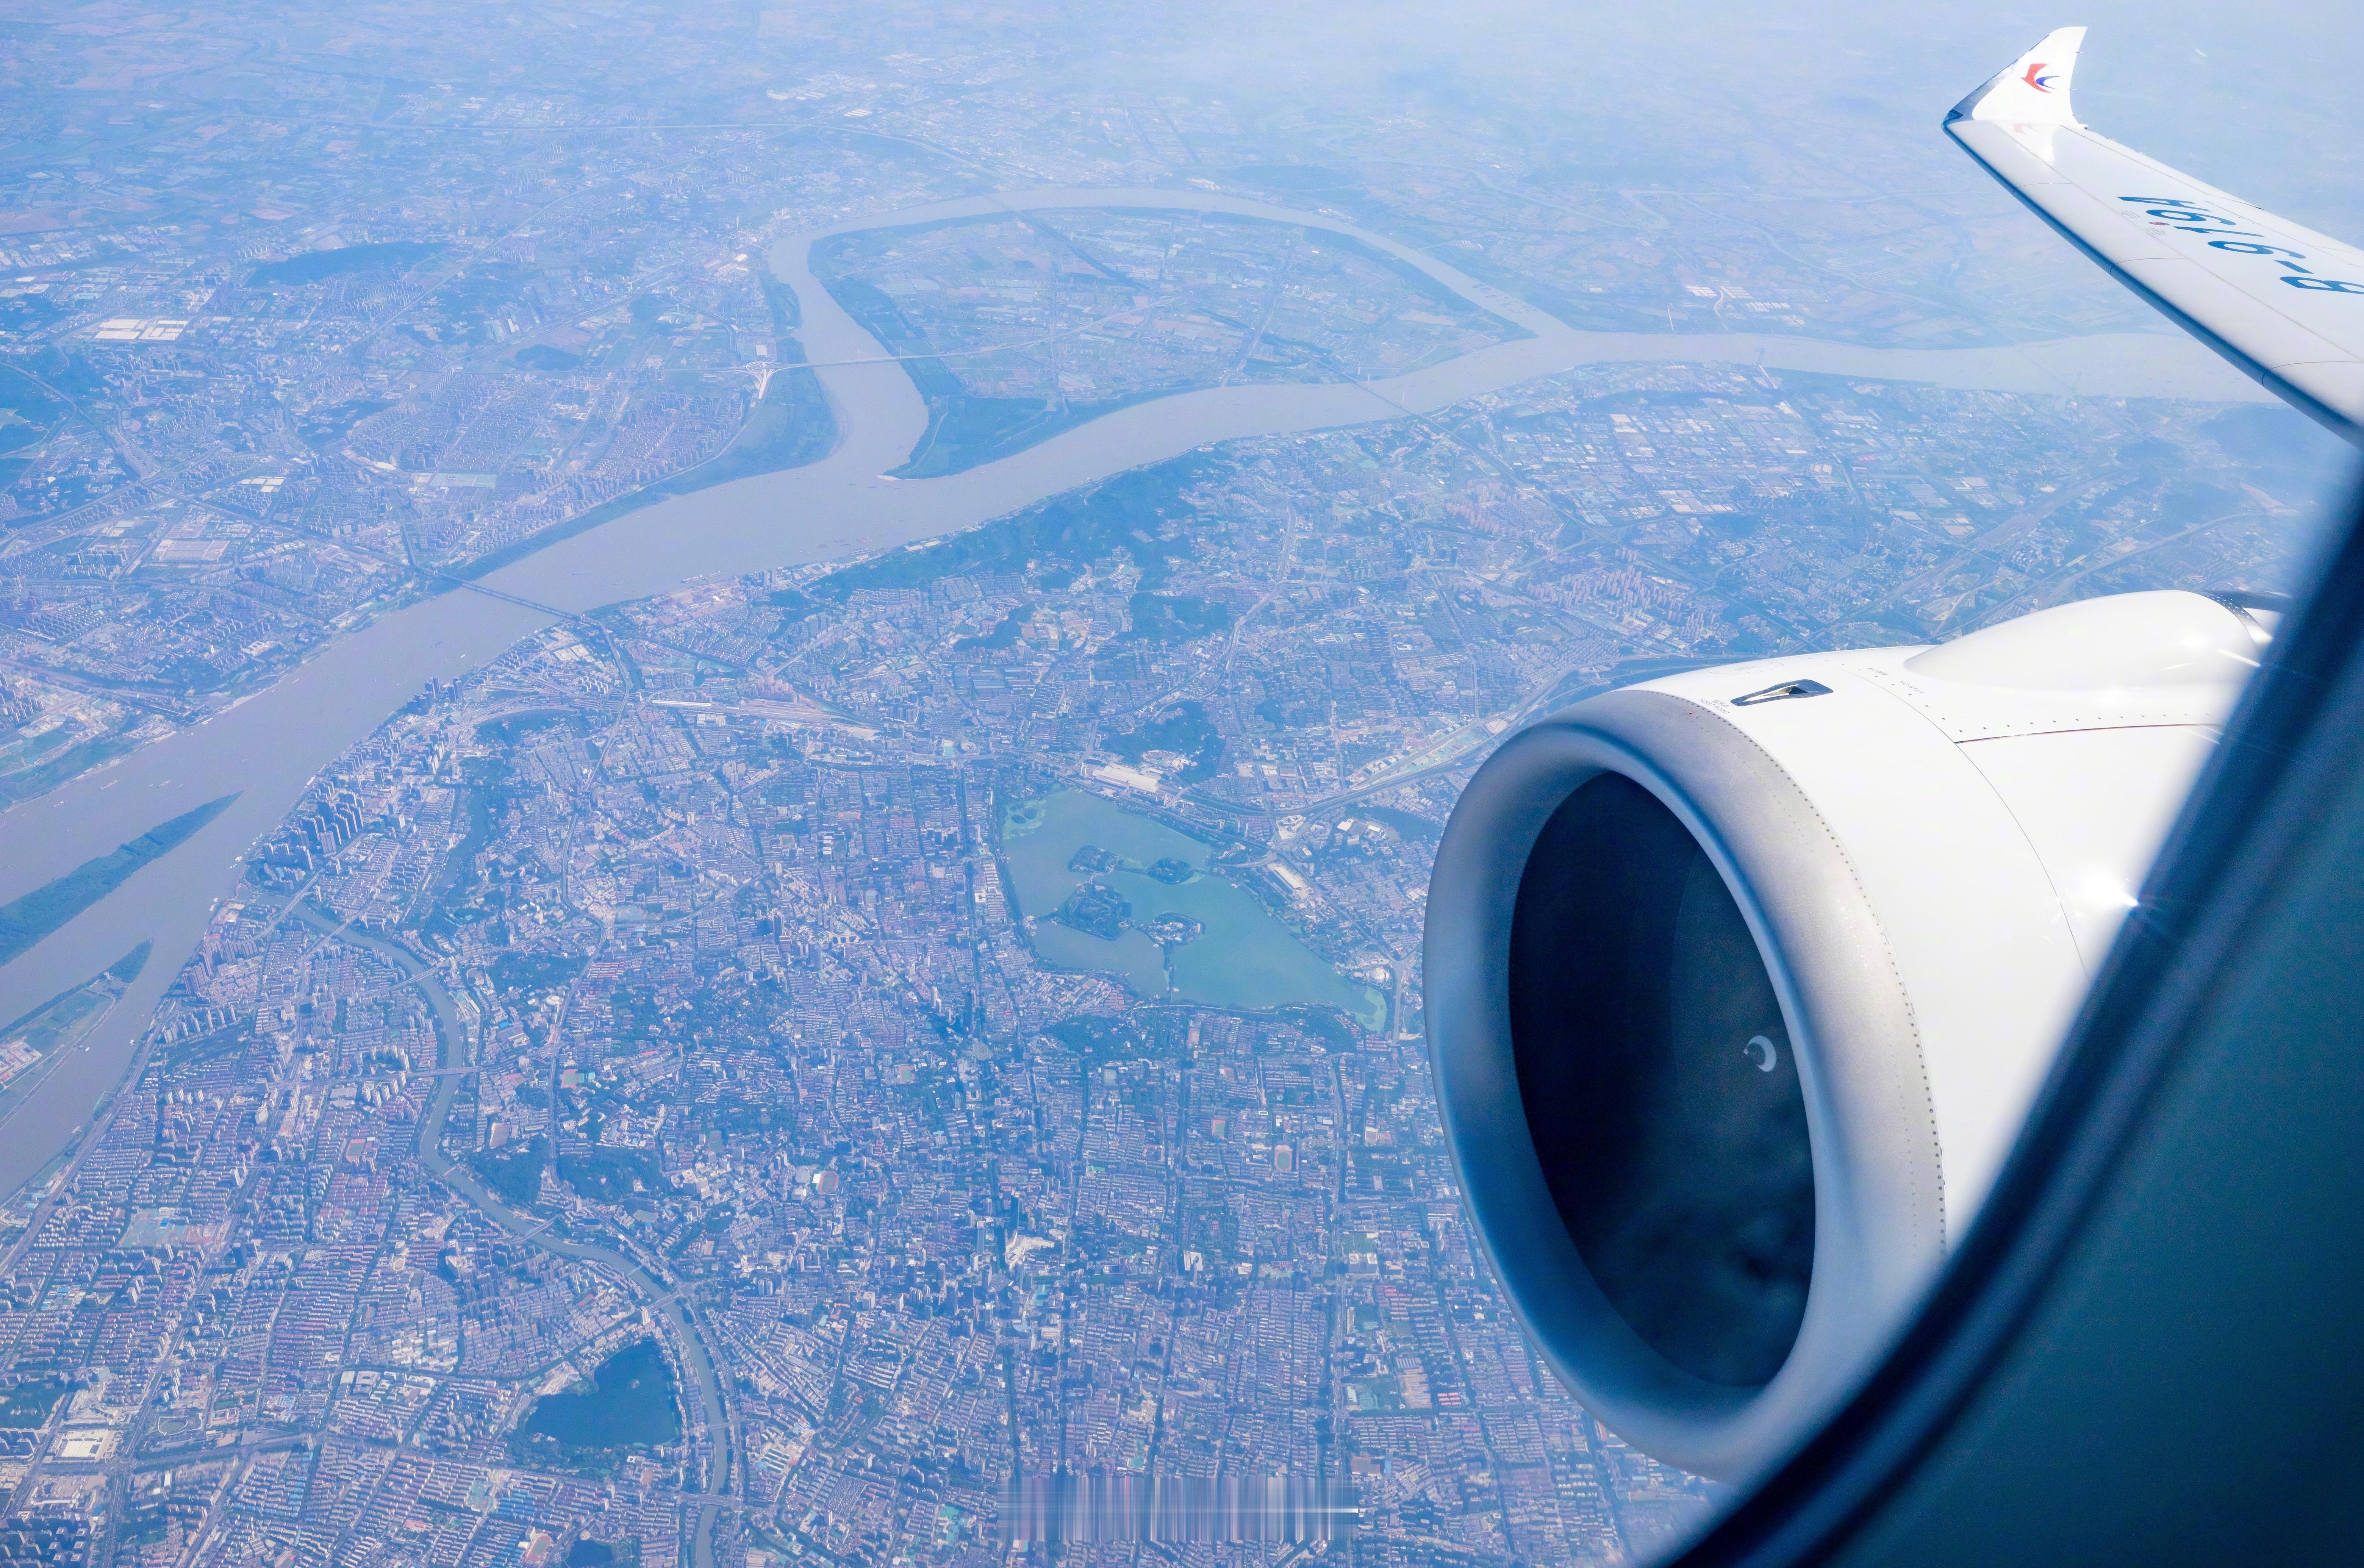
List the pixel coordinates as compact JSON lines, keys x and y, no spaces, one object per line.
{"x":708,"y":1412}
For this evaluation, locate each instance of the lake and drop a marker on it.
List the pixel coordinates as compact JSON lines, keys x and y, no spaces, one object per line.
{"x":1241,"y":956}
{"x":630,"y":1405}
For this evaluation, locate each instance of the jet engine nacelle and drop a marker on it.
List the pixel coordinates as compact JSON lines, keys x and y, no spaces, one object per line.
{"x":1740,"y":983}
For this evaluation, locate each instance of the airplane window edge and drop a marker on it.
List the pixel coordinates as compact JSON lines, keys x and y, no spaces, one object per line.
{"x":2247,"y":812}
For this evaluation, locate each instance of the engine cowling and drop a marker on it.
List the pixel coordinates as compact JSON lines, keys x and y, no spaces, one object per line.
{"x":1740,"y":983}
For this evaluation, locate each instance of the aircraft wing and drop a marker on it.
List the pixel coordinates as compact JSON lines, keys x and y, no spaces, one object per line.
{"x":2282,"y":303}
{"x":1740,"y":982}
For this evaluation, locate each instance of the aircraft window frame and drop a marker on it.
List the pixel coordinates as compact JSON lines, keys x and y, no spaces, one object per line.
{"x":2245,"y":818}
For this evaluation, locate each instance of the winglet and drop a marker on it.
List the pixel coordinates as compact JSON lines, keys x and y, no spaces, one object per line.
{"x":2285,"y":303}
{"x":2034,"y":89}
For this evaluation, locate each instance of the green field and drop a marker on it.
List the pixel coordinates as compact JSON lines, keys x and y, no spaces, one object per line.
{"x":966,"y":429}
{"x":515,"y":1172}
{"x":1142,"y":513}
{"x":29,"y":1404}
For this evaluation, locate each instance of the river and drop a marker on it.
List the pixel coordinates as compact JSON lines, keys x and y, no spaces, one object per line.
{"x":710,"y":1423}
{"x":270,"y":746}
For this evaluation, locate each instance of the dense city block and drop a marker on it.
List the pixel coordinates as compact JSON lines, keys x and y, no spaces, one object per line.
{"x":765,"y":1070}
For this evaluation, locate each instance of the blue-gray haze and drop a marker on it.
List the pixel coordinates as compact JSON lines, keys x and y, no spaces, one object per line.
{"x":630,"y":522}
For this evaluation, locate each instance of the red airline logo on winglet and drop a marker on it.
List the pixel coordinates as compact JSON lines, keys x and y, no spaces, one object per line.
{"x":2036,"y":79}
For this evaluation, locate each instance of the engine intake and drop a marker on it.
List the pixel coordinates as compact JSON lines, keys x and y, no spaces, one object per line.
{"x":1739,"y":984}
{"x":1648,"y":1037}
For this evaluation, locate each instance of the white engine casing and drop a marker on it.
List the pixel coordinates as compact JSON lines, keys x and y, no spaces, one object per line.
{"x":1933,"y":853}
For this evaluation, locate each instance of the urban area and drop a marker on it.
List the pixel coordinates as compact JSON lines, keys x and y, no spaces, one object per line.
{"x":756,"y":1072}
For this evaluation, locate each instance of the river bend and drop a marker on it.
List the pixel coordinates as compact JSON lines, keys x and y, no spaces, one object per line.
{"x":269,"y":747}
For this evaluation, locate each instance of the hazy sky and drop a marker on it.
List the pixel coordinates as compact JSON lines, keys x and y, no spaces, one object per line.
{"x":2262,"y":100}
